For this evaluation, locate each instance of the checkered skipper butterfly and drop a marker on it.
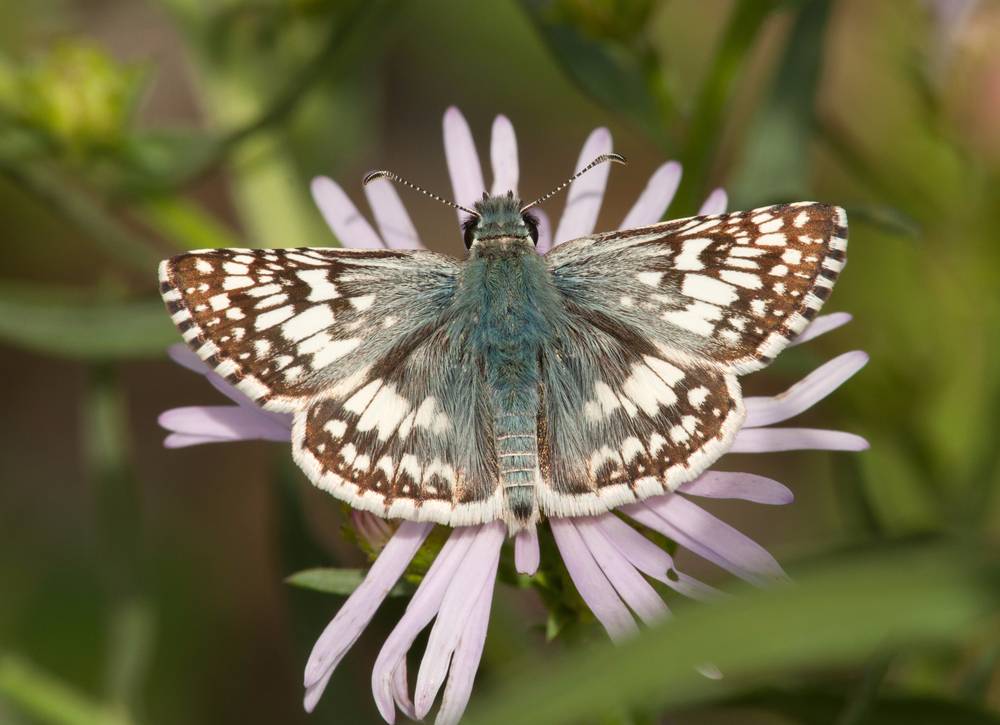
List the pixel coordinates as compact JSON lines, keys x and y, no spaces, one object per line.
{"x":511,"y":385}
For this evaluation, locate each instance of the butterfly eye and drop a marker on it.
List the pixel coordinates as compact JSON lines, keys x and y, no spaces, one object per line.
{"x":469,"y":231}
{"x":531,"y":223}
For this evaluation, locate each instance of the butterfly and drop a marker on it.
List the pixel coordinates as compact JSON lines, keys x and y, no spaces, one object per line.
{"x":511,"y":385}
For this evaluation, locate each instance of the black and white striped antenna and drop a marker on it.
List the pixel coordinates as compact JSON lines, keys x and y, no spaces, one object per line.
{"x":382,"y":173}
{"x":616,"y":158}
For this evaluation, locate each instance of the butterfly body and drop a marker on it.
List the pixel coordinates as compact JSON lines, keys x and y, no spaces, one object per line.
{"x":509,"y":290}
{"x":511,"y":385}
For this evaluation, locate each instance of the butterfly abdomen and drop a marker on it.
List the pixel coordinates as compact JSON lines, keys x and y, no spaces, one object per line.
{"x":510,"y":292}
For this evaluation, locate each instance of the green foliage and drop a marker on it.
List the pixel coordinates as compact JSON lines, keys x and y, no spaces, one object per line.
{"x":57,"y":322}
{"x":76,"y":94}
{"x":835,"y":612}
{"x":338,"y":581}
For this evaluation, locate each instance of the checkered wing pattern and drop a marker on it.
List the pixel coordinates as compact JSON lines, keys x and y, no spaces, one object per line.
{"x":641,"y":388}
{"x":285,"y":325}
{"x":731,"y":289}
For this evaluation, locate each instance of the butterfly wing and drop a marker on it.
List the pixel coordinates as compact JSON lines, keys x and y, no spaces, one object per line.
{"x":363,"y":346}
{"x":641,"y":392}
{"x":733,"y":289}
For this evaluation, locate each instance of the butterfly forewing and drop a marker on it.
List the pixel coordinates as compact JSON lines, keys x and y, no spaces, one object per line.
{"x":733,"y":289}
{"x":287,"y":324}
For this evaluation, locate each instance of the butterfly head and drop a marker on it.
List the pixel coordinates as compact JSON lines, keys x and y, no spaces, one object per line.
{"x":499,"y":221}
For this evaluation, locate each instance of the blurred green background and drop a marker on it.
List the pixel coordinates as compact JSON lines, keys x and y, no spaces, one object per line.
{"x":140,"y":585}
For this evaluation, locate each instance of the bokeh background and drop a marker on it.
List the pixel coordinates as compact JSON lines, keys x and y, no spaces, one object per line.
{"x":141,"y":585}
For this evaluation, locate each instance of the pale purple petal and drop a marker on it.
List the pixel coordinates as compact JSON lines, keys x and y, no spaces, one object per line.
{"x":360,"y":607}
{"x":217,"y":423}
{"x":766,"y":410}
{"x":640,"y":597}
{"x":527,"y":556}
{"x":715,"y":203}
{"x":375,"y":530}
{"x":745,"y":486}
{"x":707,"y":536}
{"x":393,"y":221}
{"x":583,"y":202}
{"x":479,"y":565}
{"x":315,"y":691}
{"x":590,"y":581}
{"x":186,"y":357}
{"x":544,"y":230}
{"x":465,"y":661}
{"x":651,"y":560}
{"x":186,"y":440}
{"x":822,"y":325}
{"x":463,"y":160}
{"x":503,"y":155}
{"x":773,"y":440}
{"x":347,"y":223}
{"x":401,"y":691}
{"x":655,"y":198}
{"x":422,"y":608}
{"x":182,"y":355}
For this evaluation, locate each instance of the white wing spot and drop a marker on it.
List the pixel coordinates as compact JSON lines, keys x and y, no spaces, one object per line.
{"x":650,"y":278}
{"x":269,"y":319}
{"x":777,"y":239}
{"x":742,"y":279}
{"x":698,"y":396}
{"x":384,"y":412}
{"x":320,"y":287}
{"x":307,"y":323}
{"x":334,"y":351}
{"x":792,"y":256}
{"x":236,"y":283}
{"x":690,"y":256}
{"x":708,"y":289}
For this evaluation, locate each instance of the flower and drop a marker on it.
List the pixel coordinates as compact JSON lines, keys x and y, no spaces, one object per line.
{"x":607,"y":559}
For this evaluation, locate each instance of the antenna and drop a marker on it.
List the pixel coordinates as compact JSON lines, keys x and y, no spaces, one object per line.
{"x":616,"y":158}
{"x":382,"y":173}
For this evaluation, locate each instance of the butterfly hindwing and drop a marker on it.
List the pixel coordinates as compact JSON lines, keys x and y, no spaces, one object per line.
{"x":733,"y":289}
{"x":414,"y":440}
{"x":626,"y":418}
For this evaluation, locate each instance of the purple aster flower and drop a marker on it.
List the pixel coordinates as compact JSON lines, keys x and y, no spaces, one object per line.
{"x":609,"y":561}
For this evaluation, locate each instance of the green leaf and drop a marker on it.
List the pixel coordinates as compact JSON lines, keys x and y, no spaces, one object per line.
{"x":49,"y":700}
{"x":338,"y":581}
{"x":837,"y":611}
{"x":617,"y":72}
{"x":185,"y":224}
{"x":811,"y":706}
{"x":53,"y":321}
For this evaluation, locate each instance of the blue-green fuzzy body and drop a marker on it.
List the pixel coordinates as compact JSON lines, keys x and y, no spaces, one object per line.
{"x":509,"y":286}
